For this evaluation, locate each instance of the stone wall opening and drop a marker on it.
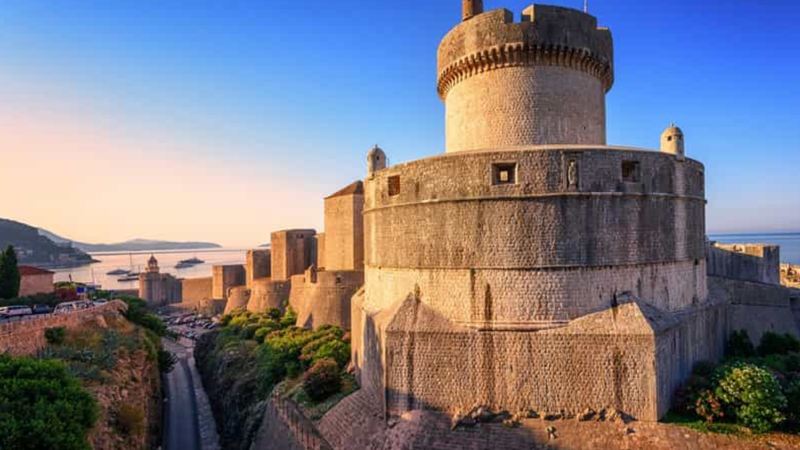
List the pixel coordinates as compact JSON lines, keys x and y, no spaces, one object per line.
{"x":504,"y":173}
{"x":394,"y":185}
{"x":631,"y":172}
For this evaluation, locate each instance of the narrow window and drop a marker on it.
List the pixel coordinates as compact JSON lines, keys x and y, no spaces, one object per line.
{"x":394,"y":185}
{"x":504,"y":173}
{"x":338,"y":279}
{"x":630,"y":171}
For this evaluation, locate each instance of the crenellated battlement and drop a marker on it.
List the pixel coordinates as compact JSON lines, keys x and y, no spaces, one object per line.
{"x":537,"y":81}
{"x":546,"y":35}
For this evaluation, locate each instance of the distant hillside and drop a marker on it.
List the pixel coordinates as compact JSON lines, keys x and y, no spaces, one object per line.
{"x":34,"y":249}
{"x":134,"y":245}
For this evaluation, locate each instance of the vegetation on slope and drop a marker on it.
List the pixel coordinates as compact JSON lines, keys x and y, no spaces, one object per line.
{"x":118,"y":363}
{"x":42,"y":405}
{"x":251,"y":354}
{"x":755,"y":389}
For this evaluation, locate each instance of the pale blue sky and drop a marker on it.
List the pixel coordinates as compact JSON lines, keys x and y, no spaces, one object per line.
{"x":239,"y":116}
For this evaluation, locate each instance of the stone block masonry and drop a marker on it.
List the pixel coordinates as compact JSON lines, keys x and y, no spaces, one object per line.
{"x":293,"y":251}
{"x":26,"y":337}
{"x":259,"y":265}
{"x":751,"y":262}
{"x":226,"y":277}
{"x":196,"y":290}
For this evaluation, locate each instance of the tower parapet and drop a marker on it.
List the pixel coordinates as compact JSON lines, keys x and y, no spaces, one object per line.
{"x":471,"y":8}
{"x":539,"y":81}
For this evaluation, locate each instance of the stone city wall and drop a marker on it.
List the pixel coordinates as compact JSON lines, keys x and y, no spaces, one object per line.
{"x":568,"y":244}
{"x":531,"y":298}
{"x":320,"y":251}
{"x":238,"y":298}
{"x":749,"y":262}
{"x":285,"y":427}
{"x":697,"y":334}
{"x":266,"y":294}
{"x":344,"y":232}
{"x":599,"y":361}
{"x":226,"y":277}
{"x":293,"y":251}
{"x":259,"y":265}
{"x":755,"y":307}
{"x":197,"y":289}
{"x":323,"y":298}
{"x":26,"y":337}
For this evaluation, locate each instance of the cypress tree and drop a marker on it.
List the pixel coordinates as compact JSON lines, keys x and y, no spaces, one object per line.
{"x":9,"y":274}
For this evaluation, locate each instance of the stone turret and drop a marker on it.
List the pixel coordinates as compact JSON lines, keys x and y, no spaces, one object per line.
{"x":471,"y":8}
{"x":539,"y":81}
{"x":672,"y":142}
{"x":376,"y":160}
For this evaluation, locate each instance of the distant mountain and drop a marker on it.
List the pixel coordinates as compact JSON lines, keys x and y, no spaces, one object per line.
{"x":133,"y":245}
{"x":34,"y":249}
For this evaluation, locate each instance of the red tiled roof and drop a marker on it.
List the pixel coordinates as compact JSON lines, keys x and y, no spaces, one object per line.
{"x":30,"y":270}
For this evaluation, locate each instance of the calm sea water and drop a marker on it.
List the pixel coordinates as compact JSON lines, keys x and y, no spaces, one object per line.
{"x":138,"y":260}
{"x":789,"y":242}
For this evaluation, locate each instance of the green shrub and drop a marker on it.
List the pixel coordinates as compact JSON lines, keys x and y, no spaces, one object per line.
{"x":42,"y":406}
{"x":792,"y":393}
{"x":289,"y":319}
{"x":55,"y":336}
{"x":752,"y":394}
{"x":129,"y":420}
{"x":739,"y":345}
{"x":322,"y":380}
{"x":274,"y":314}
{"x":704,"y":369}
{"x":687,"y":395}
{"x":248,"y":331}
{"x":335,"y":350}
{"x":777,"y":344}
{"x":708,"y":406}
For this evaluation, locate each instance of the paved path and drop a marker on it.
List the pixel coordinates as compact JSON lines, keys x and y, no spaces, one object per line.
{"x":182,"y":430}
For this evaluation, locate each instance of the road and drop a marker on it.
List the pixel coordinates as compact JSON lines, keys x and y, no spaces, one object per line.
{"x":182,"y":429}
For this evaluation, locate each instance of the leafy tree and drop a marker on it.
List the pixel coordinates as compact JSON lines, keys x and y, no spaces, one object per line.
{"x":9,"y":274}
{"x":43,"y":406}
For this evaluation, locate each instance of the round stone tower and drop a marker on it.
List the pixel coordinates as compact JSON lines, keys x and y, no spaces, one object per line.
{"x":539,"y":81}
{"x":531,"y":266}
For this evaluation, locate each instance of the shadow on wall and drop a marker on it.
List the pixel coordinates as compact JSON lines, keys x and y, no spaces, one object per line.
{"x":414,"y":358}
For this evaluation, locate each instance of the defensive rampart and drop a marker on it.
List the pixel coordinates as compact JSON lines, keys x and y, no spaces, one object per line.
{"x":195,"y":290}
{"x":323,"y":298}
{"x":26,"y":337}
{"x":564,"y":228}
{"x":749,"y":262}
{"x":285,"y":427}
{"x":267,"y":294}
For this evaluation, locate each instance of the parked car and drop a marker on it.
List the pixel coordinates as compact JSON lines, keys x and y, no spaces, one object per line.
{"x":100,"y":301}
{"x":8,"y":312}
{"x":42,"y":309}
